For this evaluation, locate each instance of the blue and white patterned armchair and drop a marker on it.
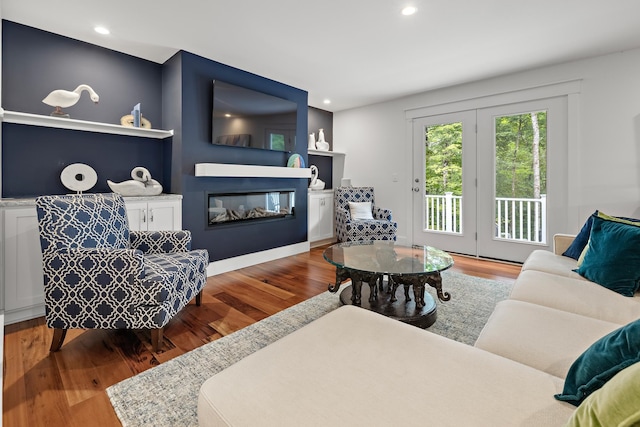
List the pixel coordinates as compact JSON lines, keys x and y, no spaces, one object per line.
{"x":348,"y":229}
{"x":100,"y":275}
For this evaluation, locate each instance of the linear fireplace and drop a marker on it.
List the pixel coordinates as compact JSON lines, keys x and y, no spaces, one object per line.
{"x":228,"y":208}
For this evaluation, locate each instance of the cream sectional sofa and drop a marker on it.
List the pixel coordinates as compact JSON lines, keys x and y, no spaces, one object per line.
{"x":353,"y":367}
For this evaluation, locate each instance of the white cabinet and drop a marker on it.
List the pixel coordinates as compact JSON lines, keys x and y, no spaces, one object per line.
{"x":321,"y":216}
{"x":22,"y":279}
{"x":154,"y":215}
{"x":22,"y":269}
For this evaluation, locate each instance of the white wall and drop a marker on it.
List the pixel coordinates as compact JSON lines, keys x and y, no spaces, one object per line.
{"x":604,"y":162}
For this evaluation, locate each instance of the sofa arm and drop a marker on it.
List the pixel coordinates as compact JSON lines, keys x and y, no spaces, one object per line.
{"x":161,"y":242}
{"x":561,"y":242}
{"x":343,"y":215}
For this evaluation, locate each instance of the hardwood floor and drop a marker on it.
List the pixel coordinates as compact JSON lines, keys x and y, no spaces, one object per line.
{"x":67,"y":388}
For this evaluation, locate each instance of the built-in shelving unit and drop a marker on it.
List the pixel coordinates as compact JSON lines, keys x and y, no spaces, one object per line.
{"x":324,"y":153}
{"x":249,"y":171}
{"x":74,"y":124}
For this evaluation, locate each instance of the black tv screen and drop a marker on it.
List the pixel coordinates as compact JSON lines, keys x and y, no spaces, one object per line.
{"x":247,"y":118}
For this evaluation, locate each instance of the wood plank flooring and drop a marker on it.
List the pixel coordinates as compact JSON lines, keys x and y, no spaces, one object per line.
{"x":67,"y":388}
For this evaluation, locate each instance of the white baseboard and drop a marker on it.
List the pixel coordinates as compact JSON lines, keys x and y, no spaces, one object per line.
{"x":230,"y":264}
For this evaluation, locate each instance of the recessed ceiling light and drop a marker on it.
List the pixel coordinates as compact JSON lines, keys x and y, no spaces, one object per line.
{"x":409,"y":10}
{"x":102,"y":30}
{"x":227,"y":115}
{"x":327,"y":101}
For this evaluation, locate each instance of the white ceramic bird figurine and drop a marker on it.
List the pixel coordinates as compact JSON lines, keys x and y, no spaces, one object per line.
{"x":65,"y":98}
{"x":141,"y":185}
{"x":316,"y":184}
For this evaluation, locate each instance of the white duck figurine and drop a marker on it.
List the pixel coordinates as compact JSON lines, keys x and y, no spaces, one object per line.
{"x":65,"y":98}
{"x":141,"y":185}
{"x":316,"y":184}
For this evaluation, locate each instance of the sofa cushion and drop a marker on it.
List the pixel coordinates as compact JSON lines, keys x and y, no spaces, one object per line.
{"x":578,"y":296}
{"x":613,"y":258}
{"x":541,"y":337}
{"x":600,"y":362}
{"x":615,"y":404}
{"x":541,"y":260}
{"x":355,"y":367}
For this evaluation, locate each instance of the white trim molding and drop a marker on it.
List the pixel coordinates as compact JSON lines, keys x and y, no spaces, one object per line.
{"x":230,"y":264}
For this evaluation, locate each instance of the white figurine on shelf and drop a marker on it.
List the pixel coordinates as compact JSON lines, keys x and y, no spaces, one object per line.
{"x":312,"y":141}
{"x":141,"y":185}
{"x":322,"y":144}
{"x":316,"y":184}
{"x":66,"y":98}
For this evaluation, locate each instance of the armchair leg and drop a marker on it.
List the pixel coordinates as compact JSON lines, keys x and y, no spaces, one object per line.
{"x":199,"y":299}
{"x":58,"y":338}
{"x":156,"y":339}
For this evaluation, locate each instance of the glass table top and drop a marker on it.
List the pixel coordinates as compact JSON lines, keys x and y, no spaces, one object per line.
{"x":387,"y":257}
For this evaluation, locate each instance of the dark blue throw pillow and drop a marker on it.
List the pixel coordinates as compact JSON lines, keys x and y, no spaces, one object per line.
{"x":600,"y":362}
{"x":577,"y":246}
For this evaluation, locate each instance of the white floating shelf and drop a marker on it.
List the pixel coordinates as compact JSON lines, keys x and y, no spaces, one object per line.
{"x":250,"y":171}
{"x":324,"y":153}
{"x":73,"y":124}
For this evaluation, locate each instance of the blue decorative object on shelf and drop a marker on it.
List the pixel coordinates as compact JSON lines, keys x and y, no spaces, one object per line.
{"x":136,"y":115}
{"x":295,"y":161}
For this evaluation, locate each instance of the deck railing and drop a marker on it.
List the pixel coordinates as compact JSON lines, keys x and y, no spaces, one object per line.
{"x":516,"y":218}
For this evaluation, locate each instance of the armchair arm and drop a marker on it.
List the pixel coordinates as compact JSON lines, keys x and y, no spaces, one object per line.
{"x":343,"y":215}
{"x":561,"y":242}
{"x":72,"y":266}
{"x":379,"y":213}
{"x":161,"y":242}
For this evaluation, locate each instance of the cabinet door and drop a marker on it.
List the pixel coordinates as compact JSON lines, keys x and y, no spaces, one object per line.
{"x":320,"y":216}
{"x":23,"y":280}
{"x":164,"y":215}
{"x":325,"y":225}
{"x":314,"y":217}
{"x":137,"y":215}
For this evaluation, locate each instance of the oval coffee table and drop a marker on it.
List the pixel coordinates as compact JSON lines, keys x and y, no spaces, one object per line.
{"x":407,"y":266}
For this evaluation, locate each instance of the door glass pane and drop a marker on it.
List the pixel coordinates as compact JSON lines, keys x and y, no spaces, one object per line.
{"x":443,"y":177}
{"x":521,"y":177}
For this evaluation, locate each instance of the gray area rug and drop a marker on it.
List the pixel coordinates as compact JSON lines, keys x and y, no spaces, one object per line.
{"x":167,"y":395}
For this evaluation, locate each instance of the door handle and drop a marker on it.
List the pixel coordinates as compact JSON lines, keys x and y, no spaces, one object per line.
{"x":416,"y":189}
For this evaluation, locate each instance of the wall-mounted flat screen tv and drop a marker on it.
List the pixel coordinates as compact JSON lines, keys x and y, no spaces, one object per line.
{"x":247,"y":118}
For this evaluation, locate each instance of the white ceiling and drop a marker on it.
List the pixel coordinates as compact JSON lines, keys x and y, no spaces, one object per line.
{"x":354,"y":52}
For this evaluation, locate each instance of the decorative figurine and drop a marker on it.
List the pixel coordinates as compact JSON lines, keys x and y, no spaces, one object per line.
{"x":322,"y":144}
{"x":316,"y":184}
{"x":64,"y":98}
{"x":141,"y":185}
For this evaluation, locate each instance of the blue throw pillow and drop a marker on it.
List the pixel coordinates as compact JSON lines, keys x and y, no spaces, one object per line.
{"x":613,"y":258}
{"x":582,"y":238}
{"x":600,"y":362}
{"x":580,"y":241}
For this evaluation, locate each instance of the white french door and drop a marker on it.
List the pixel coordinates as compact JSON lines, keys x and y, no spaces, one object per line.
{"x":522,"y":158}
{"x":444,"y":190}
{"x":491,"y":182}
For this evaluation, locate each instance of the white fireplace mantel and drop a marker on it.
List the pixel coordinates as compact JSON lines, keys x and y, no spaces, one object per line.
{"x":249,"y":171}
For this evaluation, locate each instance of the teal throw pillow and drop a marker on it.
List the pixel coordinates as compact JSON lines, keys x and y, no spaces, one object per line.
{"x":613,"y":257}
{"x":615,"y":404}
{"x":600,"y":362}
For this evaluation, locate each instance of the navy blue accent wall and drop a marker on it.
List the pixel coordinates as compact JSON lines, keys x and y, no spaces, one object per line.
{"x":194,"y":146}
{"x":35,"y":62}
{"x":33,"y":157}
